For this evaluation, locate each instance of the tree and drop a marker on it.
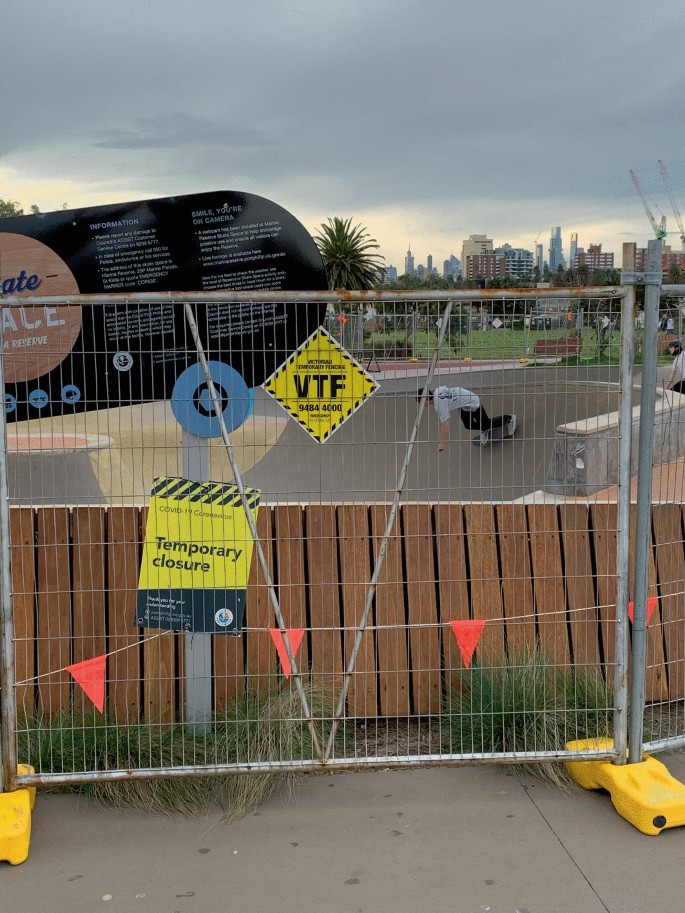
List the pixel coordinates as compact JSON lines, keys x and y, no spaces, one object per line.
{"x":8,"y":208}
{"x":348,"y":255}
{"x":675,"y":274}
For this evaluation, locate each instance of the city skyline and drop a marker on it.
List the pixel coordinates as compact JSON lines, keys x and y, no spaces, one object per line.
{"x":568,"y":252}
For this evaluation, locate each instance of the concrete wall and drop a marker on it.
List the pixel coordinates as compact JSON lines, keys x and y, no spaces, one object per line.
{"x":585,"y":456}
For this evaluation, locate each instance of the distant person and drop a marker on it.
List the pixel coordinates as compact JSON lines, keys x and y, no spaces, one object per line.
{"x":370,"y":318}
{"x":676,"y":381}
{"x":447,"y":400}
{"x":670,"y":326}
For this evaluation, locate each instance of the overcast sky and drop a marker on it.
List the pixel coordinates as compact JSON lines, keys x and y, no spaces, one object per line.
{"x":425,"y":121}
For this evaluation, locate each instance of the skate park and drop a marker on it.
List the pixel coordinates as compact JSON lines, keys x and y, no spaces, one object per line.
{"x":565,"y":445}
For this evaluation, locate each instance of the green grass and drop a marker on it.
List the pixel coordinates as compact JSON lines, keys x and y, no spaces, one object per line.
{"x":526,"y":705}
{"x":486,"y":345}
{"x":263,"y":727}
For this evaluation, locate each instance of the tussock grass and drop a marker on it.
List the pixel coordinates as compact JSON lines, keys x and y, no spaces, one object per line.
{"x":263,"y":727}
{"x":527,"y":705}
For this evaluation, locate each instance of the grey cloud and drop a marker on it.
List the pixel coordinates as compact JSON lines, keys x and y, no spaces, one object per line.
{"x":177,"y":130}
{"x":475,"y":116}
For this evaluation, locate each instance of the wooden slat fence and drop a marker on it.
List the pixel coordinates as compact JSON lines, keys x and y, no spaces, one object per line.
{"x":543,"y":576}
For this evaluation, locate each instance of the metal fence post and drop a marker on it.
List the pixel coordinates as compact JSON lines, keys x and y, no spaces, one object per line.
{"x":652,"y":279}
{"x":8,"y":708}
{"x":623,"y":531}
{"x":198,"y":647}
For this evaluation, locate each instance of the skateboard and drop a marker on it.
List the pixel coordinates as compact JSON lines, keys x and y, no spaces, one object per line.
{"x":502,"y":427}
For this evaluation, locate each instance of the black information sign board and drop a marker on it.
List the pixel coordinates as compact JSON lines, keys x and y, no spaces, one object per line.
{"x":65,"y":360}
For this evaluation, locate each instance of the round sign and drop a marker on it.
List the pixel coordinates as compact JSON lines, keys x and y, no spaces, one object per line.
{"x":70,"y":394}
{"x":39,"y":398}
{"x":192,"y":405}
{"x":224,"y":617}
{"x":36,"y":339}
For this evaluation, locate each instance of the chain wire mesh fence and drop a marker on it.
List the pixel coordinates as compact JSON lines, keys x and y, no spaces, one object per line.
{"x":396,"y":603}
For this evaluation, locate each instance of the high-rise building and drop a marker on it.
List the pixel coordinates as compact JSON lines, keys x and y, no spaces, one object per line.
{"x":484,"y":266}
{"x":389,"y":274}
{"x":518,"y":261}
{"x":409,"y":263}
{"x":669,"y":258}
{"x":452,"y":267}
{"x":573,"y":248}
{"x":474,"y":246}
{"x":539,"y":257}
{"x":556,"y":253}
{"x":594,"y":258}
{"x":429,"y":264}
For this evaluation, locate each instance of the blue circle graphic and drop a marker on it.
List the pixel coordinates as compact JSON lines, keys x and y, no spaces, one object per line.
{"x":70,"y":394}
{"x":192,"y":404}
{"x":10,"y":403}
{"x":39,"y":398}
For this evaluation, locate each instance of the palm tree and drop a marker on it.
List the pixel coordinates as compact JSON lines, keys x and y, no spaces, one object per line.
{"x":347,"y":252}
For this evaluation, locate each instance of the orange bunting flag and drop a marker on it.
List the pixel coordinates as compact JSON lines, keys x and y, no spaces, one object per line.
{"x":651,"y":605}
{"x":90,"y":675}
{"x":468,"y":634}
{"x":294,"y":639}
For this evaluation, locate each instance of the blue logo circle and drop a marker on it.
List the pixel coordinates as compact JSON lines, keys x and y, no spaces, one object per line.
{"x":192,"y":404}
{"x":70,"y":394}
{"x":10,"y":403}
{"x":224,"y":617}
{"x":39,"y":398}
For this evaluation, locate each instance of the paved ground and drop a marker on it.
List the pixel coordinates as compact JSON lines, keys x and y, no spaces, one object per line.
{"x":445,"y":840}
{"x":362,"y":460}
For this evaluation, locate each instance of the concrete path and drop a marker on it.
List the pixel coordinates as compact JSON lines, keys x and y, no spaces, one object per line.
{"x":444,"y":840}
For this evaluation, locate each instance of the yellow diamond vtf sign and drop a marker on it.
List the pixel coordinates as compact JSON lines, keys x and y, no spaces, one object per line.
{"x":321,"y":385}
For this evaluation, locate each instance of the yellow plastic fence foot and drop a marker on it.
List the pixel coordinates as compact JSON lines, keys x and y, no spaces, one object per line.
{"x":645,"y":794}
{"x":27,"y":769}
{"x":15,"y":826}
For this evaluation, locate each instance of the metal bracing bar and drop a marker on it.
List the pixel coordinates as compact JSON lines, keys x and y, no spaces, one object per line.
{"x":8,"y":706}
{"x":342,"y":764}
{"x":380,"y":559}
{"x":375,"y":295}
{"x":190,"y":317}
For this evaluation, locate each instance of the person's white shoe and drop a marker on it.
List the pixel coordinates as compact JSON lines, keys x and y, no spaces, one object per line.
{"x":511,"y":428}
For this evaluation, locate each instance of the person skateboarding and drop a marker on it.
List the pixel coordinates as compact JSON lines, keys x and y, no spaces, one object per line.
{"x":677,"y":379}
{"x":447,"y":400}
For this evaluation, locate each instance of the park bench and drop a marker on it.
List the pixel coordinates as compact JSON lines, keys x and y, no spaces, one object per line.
{"x":555,"y":348}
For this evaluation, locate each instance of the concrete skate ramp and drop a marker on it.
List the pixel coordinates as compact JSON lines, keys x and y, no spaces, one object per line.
{"x":362,"y":460}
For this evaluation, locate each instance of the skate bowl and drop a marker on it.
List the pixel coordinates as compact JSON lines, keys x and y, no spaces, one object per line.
{"x":362,"y":461}
{"x":40,"y":466}
{"x":566,"y":445}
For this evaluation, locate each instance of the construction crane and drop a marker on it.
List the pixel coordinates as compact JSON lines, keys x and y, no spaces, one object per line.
{"x":659,"y":229}
{"x":674,"y":206}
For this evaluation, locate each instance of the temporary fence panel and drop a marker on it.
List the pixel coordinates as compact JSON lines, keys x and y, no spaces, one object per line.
{"x":664,"y":721}
{"x":403,"y":604}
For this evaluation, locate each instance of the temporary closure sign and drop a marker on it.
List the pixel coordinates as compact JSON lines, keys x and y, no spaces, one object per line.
{"x":196,"y":557}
